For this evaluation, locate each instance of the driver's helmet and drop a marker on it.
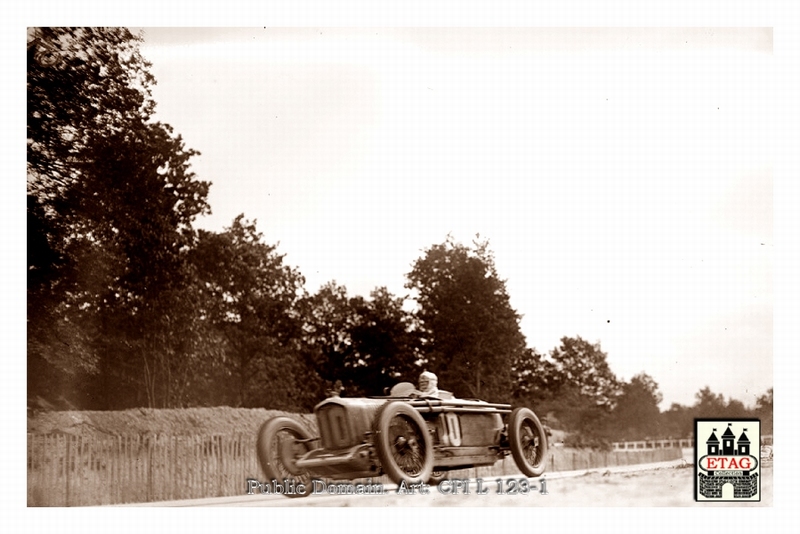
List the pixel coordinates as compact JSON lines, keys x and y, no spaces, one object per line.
{"x":427,"y":381}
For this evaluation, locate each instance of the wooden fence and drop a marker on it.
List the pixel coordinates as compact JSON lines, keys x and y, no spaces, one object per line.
{"x":67,"y":470}
{"x":576,"y":459}
{"x":70,"y":470}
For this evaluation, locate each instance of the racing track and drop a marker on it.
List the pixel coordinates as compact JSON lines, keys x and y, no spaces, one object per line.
{"x":658,"y":484}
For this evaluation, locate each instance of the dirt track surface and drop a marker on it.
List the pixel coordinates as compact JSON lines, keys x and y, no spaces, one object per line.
{"x":635,"y":486}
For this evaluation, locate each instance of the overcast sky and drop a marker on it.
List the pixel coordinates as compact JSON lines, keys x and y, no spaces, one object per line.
{"x":623,"y":177}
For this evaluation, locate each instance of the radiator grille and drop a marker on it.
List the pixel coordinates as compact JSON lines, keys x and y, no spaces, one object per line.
{"x":334,"y":426}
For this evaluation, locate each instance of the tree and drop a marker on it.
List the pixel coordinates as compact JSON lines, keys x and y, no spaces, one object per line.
{"x":383,"y":344}
{"x":636,"y":415}
{"x":251,"y":298}
{"x":584,"y":365}
{"x":470,"y":333}
{"x":709,"y":404}
{"x":111,"y":201}
{"x":327,"y":330}
{"x":535,"y":378}
{"x":574,"y":387}
{"x":736,"y":409}
{"x":95,"y":84}
{"x":678,"y":421}
{"x":763,"y":411}
{"x":365,"y":344}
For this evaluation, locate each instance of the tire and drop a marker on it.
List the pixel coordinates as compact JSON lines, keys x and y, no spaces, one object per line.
{"x":528,"y":442}
{"x":404,"y":446}
{"x":278,"y":448}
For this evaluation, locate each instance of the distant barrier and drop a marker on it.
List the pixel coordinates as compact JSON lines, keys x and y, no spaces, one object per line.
{"x":74,"y":470}
{"x":652,"y":444}
{"x":575,"y":459}
{"x":666,"y":444}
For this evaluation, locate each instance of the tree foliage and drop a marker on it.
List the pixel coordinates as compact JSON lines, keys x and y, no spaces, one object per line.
{"x":584,"y":366}
{"x":250,"y":298}
{"x":328,"y":323}
{"x":367,"y":345}
{"x":130,"y":305}
{"x":535,"y":378}
{"x":677,"y":421}
{"x":709,"y":404}
{"x":764,"y":411}
{"x":111,"y":202}
{"x":572,"y":387}
{"x":384,"y":344}
{"x":637,"y":415}
{"x":470,"y":333}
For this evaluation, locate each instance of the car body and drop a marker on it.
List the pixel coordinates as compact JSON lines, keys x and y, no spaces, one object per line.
{"x":410,"y":438}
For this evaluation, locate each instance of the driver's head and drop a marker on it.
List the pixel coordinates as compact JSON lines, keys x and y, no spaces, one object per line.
{"x":427,"y":381}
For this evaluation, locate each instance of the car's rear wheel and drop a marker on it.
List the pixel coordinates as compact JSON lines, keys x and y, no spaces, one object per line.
{"x":281,"y":441}
{"x":405,"y":449}
{"x":528,"y":442}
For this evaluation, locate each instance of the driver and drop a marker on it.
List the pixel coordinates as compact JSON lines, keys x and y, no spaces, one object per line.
{"x":428,"y":384}
{"x":428,"y":387}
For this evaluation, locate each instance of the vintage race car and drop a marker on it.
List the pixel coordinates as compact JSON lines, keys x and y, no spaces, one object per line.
{"x":411,"y":439}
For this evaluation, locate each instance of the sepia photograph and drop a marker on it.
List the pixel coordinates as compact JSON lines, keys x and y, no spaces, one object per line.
{"x":332,"y":266}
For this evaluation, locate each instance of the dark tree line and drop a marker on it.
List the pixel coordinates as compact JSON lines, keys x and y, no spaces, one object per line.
{"x":130,"y":305}
{"x":574,"y":389}
{"x":111,"y":200}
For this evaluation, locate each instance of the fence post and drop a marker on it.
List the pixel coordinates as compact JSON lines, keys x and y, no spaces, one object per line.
{"x":117,"y":480}
{"x":67,"y":470}
{"x":150,"y":496}
{"x":173,"y":481}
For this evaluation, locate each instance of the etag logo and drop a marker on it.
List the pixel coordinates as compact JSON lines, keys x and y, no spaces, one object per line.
{"x":725,"y":468}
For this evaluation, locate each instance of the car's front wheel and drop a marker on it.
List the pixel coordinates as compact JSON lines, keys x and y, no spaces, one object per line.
{"x":404,"y":447}
{"x":528,"y":442}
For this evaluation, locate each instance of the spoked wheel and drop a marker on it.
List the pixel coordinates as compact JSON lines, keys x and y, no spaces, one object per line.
{"x":279,"y":446}
{"x":528,"y":442}
{"x":404,"y":446}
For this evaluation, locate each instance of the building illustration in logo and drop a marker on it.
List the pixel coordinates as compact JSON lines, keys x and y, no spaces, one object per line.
{"x":728,"y":461}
